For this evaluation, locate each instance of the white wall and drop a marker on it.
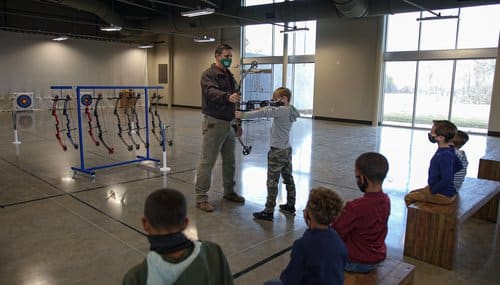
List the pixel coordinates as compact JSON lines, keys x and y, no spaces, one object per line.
{"x":346,"y":71}
{"x":158,"y":55}
{"x":35,"y":62}
{"x":191,"y":59}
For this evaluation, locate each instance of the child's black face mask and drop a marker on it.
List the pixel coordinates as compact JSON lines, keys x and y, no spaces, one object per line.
{"x":361,"y":182}
{"x":431,"y":138}
{"x":276,"y":102}
{"x":164,"y":244}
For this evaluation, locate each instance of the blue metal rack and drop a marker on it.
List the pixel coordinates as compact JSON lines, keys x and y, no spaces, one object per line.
{"x":92,"y":170}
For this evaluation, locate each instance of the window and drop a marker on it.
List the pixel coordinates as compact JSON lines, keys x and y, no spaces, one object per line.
{"x":402,"y":32}
{"x":301,"y":78}
{"x":421,"y":86}
{"x":399,"y":89}
{"x":302,"y":42}
{"x":257,"y":39}
{"x":484,"y":19}
{"x":472,"y":93}
{"x":439,"y":34}
{"x":265,"y":44}
{"x":433,"y":91}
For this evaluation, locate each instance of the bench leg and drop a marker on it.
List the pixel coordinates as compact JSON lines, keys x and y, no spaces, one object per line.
{"x":431,"y":237}
{"x":489,"y":212}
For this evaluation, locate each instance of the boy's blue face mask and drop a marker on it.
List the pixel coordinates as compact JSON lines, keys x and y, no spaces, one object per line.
{"x":431,"y":138}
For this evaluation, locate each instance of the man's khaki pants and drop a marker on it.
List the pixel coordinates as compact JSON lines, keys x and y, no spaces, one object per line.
{"x":218,"y":136}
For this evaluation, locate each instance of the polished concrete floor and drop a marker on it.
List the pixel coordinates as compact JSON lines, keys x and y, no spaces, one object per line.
{"x":60,"y":229}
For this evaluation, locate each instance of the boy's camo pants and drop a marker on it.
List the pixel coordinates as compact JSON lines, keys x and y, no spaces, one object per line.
{"x":279,"y":161}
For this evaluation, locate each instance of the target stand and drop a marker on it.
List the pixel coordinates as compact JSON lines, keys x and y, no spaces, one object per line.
{"x":21,"y":102}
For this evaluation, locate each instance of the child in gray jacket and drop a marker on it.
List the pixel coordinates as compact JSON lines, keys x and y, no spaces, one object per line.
{"x":279,"y":157}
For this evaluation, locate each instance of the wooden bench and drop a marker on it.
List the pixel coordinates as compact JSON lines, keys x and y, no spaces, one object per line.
{"x":432,"y":230}
{"x":389,"y":272}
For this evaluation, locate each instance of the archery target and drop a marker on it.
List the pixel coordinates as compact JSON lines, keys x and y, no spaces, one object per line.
{"x":23,"y":101}
{"x":86,"y":99}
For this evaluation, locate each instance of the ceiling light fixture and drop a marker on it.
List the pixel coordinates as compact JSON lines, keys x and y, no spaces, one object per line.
{"x":294,"y":29}
{"x":145,"y":46}
{"x":204,"y":39}
{"x":111,"y":28}
{"x":199,"y":12}
{"x":60,"y":38}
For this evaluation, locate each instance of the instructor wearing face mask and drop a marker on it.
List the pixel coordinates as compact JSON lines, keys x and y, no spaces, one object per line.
{"x":218,"y":97}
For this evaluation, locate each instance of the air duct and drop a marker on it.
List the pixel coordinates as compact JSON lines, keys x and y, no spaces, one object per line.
{"x":352,"y":8}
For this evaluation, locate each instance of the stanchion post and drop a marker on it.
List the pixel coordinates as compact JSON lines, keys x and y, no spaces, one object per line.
{"x":163,"y":137}
{"x":14,"y":122}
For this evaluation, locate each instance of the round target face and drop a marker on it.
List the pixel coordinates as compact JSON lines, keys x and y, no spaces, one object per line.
{"x":86,"y":99}
{"x":24,"y":101}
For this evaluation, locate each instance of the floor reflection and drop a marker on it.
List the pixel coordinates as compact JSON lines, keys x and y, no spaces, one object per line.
{"x":57,"y":211}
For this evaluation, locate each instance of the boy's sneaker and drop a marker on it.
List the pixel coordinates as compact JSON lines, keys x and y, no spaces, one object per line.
{"x":263,"y":216}
{"x":287,"y":209}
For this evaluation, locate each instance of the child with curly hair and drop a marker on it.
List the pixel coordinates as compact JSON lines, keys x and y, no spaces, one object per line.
{"x":320,"y":255}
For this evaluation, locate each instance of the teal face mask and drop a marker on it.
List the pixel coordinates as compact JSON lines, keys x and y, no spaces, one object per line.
{"x":226,"y":62}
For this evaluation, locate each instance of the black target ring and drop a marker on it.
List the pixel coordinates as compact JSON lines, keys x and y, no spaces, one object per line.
{"x":86,"y":100}
{"x":24,"y":101}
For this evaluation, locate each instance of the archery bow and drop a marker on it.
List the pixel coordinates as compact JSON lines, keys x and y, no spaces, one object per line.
{"x":119,"y":122}
{"x":68,"y":121}
{"x":99,"y":127}
{"x":58,"y":122}
{"x":157,"y":115}
{"x":136,"y":117}
{"x":129,"y":121}
{"x":153,"y":114}
{"x":89,"y":121}
{"x":237,"y":125}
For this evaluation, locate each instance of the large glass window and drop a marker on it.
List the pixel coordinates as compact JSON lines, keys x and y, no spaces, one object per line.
{"x":301,"y":43}
{"x":402,"y":32}
{"x":259,"y":86}
{"x":300,"y":79}
{"x":421,"y":86}
{"x":265,"y":44}
{"x":257,"y":39}
{"x":479,"y":27}
{"x":433,"y":91}
{"x":439,"y":34}
{"x":399,"y":90}
{"x":472,"y":93}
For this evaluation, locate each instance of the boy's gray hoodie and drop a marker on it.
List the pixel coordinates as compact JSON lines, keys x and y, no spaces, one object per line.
{"x":284,"y":116}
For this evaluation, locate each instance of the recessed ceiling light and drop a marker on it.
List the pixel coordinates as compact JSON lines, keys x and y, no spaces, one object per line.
{"x":204,"y":39}
{"x":200,"y":12}
{"x":111,"y":28}
{"x":145,"y":46}
{"x":60,"y":38}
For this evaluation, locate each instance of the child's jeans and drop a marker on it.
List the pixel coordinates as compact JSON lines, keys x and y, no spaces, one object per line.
{"x":359,"y":267}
